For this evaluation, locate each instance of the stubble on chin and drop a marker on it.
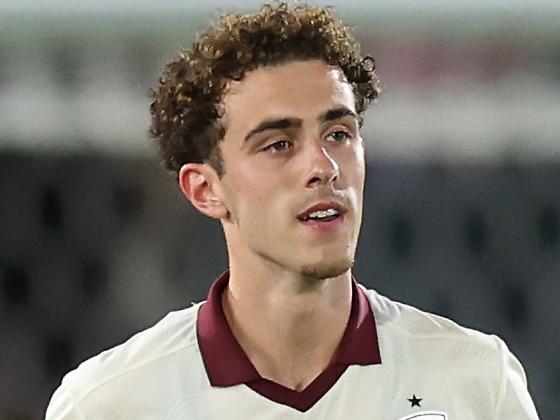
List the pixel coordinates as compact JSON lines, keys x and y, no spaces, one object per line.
{"x":327,"y":269}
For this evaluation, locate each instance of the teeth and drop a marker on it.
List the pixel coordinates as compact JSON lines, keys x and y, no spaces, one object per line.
{"x":323,"y":213}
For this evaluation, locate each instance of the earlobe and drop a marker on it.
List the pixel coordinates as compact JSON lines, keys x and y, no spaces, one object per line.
{"x":197,"y":182}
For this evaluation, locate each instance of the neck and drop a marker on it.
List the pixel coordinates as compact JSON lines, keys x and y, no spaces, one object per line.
{"x":288,"y":325}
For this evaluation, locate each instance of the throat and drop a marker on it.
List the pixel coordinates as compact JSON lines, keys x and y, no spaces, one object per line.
{"x":290,"y":348}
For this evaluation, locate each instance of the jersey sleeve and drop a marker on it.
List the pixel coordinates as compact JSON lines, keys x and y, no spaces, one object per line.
{"x":514,"y":400}
{"x":63,"y":407}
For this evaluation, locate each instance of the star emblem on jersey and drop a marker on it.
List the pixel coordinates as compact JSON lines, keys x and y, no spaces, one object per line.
{"x":414,"y":402}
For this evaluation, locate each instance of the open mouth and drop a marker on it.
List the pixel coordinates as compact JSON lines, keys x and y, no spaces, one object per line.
{"x":322,"y":213}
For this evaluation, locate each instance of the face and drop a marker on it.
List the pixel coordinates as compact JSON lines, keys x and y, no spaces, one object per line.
{"x":294,"y":168}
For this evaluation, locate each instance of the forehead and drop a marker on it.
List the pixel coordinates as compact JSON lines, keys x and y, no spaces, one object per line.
{"x":302,"y":89}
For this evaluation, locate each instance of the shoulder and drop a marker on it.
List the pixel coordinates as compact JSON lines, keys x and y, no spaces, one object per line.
{"x":430,"y":345}
{"x":403,"y":320}
{"x":174,"y":333}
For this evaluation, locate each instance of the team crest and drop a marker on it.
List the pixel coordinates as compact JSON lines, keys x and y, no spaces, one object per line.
{"x":426,"y":415}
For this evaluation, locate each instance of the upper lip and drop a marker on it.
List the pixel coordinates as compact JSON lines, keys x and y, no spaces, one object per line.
{"x":323,"y":205}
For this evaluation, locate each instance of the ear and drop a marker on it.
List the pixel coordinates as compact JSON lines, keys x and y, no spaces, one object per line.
{"x":198,"y":182}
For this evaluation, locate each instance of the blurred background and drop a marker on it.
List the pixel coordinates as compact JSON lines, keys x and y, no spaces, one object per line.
{"x":462,"y":204}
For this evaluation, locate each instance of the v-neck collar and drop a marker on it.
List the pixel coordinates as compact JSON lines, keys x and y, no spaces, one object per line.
{"x":227,"y":364}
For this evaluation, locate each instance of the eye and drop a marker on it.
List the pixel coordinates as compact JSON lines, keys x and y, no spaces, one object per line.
{"x":278,"y":146}
{"x":339,"y":136}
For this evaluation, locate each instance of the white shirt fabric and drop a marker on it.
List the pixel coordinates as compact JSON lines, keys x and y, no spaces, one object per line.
{"x":431,"y":369}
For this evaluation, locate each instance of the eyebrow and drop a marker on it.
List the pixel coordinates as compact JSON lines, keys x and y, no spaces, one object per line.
{"x":275,"y":124}
{"x":284,"y":123}
{"x":336,"y":113}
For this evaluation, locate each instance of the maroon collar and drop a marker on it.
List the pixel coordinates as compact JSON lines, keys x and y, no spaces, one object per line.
{"x":227,"y":364}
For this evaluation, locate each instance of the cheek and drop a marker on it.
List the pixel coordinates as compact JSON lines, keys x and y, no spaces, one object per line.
{"x":361,"y":160}
{"x":248,"y":194}
{"x":354,"y":166}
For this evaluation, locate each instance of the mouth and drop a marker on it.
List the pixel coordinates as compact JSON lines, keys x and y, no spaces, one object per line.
{"x":322,"y":214}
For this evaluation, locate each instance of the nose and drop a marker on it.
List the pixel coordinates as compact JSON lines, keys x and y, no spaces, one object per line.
{"x":323,"y":169}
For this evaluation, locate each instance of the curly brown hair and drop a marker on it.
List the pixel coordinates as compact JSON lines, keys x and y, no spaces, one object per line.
{"x":186,"y":109}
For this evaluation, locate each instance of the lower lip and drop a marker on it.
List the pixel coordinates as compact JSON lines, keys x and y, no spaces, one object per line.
{"x":324,"y":226}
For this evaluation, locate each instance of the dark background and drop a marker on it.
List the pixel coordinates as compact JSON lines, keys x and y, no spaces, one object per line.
{"x":462,"y":208}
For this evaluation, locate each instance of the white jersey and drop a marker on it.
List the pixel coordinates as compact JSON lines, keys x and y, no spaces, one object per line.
{"x":424,"y":367}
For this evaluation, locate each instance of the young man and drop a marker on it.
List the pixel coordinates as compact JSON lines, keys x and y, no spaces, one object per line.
{"x":260,"y":121}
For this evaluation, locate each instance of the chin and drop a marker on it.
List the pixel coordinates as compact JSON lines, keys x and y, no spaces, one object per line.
{"x":327,"y":269}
